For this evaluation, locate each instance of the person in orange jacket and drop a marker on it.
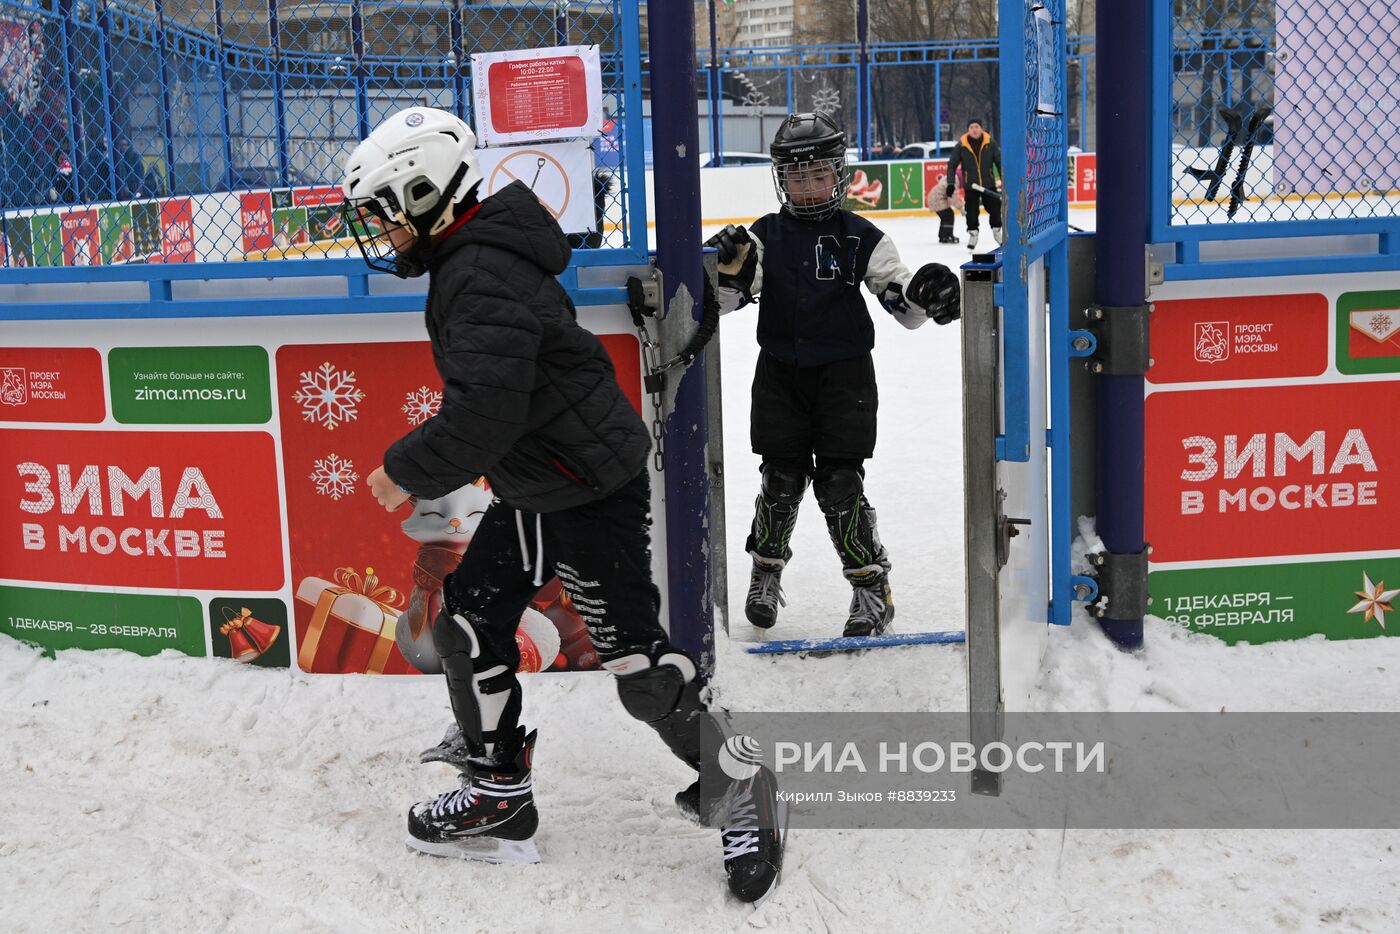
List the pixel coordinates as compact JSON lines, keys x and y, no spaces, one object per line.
{"x":978,"y":157}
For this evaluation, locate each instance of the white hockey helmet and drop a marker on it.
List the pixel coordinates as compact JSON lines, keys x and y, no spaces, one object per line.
{"x":407,"y":173}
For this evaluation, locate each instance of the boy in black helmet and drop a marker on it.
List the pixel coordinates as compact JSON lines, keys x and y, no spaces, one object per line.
{"x":814,"y":393}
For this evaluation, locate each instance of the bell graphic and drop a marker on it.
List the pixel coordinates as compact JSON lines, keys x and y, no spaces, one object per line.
{"x":248,"y":638}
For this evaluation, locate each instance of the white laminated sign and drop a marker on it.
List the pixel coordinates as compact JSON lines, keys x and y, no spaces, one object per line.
{"x":535,"y":95}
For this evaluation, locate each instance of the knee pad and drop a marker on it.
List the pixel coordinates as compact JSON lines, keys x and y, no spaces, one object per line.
{"x":651,"y":690}
{"x":838,"y":488}
{"x":784,"y":484}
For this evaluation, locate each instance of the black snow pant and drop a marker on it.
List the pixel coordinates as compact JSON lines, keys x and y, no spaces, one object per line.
{"x":815,"y":424}
{"x":945,"y":225}
{"x":601,"y":552}
{"x":976,"y":199}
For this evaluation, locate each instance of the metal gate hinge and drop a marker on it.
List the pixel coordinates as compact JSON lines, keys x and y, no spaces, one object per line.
{"x":1122,"y":580}
{"x":1006,"y":531}
{"x":1155,"y":272}
{"x":1122,"y":340}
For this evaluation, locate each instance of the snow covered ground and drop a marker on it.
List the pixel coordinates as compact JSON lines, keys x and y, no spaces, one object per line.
{"x":178,"y":794}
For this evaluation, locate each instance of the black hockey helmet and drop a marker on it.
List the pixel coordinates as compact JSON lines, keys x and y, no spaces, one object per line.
{"x":809,"y":147}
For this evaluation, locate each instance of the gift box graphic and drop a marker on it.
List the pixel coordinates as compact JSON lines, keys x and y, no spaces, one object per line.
{"x":347,"y":625}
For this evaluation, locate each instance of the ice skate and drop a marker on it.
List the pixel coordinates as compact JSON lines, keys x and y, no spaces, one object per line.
{"x":491,"y":818}
{"x":972,"y":239}
{"x":765,"y":592}
{"x":999,"y":235}
{"x":754,"y":833}
{"x":872,"y":602}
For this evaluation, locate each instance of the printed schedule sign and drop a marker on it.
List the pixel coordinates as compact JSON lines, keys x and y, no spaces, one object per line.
{"x":537,"y":94}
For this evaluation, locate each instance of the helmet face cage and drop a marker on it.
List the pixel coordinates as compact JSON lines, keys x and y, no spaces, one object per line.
{"x":812,"y":189}
{"x":374,"y":226}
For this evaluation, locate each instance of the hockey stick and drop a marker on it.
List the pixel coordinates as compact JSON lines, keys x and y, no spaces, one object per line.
{"x":855,"y":643}
{"x":1235,"y":123}
{"x":1256,"y":120}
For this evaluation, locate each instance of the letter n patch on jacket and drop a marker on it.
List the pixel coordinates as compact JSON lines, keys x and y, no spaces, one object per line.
{"x":835,"y":263}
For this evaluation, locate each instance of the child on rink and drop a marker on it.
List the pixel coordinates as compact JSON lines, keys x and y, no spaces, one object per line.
{"x":940,"y":202}
{"x":814,"y":393}
{"x":530,"y":402}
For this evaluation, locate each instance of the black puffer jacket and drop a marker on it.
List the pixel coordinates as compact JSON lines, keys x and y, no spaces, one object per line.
{"x":980,"y":161}
{"x":530,"y":398}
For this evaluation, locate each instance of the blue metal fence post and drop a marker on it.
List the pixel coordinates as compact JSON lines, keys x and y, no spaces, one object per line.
{"x":1123,"y":108}
{"x":357,"y":43}
{"x":938,"y":107}
{"x":195,"y":100}
{"x":714,"y":96}
{"x":279,"y":103}
{"x":863,"y":77}
{"x":223,"y":95}
{"x":675,"y":135}
{"x":70,"y":60}
{"x":459,"y":60}
{"x":104,"y":31}
{"x":165,"y":105}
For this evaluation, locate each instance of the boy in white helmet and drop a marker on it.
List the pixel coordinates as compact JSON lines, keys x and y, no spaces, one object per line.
{"x":530,"y":402}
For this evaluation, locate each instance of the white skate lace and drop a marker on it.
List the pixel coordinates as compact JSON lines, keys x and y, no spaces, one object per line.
{"x":453,"y":802}
{"x":766,"y":590}
{"x":868,"y":602}
{"x":741,"y":835}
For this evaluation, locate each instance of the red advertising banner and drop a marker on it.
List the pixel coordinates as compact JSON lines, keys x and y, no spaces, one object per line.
{"x":356,"y":569}
{"x":114,"y":507}
{"x":1254,"y":337}
{"x":51,"y":384}
{"x":538,"y":94}
{"x":1272,"y":471}
{"x":255,"y":216}
{"x":317,"y":196}
{"x":1086,"y":177}
{"x":80,"y":245}
{"x":935,"y":174}
{"x":176,"y":231}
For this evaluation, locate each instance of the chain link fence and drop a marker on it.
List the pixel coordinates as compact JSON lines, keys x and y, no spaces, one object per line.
{"x":1041,"y":200}
{"x":922,"y":94}
{"x":1284,"y":111}
{"x":213,"y":130}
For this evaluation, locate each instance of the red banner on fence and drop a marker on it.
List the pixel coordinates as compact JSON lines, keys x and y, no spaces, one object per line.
{"x":1287,"y":470}
{"x":113,"y":508}
{"x":1253,"y":337}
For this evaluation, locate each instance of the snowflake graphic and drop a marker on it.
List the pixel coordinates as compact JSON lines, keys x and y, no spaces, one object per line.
{"x":334,"y":476}
{"x":328,"y":396}
{"x":1380,"y":323}
{"x":827,"y":100}
{"x":421,"y":405}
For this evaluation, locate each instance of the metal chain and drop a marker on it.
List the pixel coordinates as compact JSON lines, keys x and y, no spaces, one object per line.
{"x":651,"y":359}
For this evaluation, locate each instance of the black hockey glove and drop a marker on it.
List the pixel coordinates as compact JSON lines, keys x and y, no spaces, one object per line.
{"x":934,"y":288}
{"x":949,"y":191}
{"x":729,"y":241}
{"x":738,"y":260}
